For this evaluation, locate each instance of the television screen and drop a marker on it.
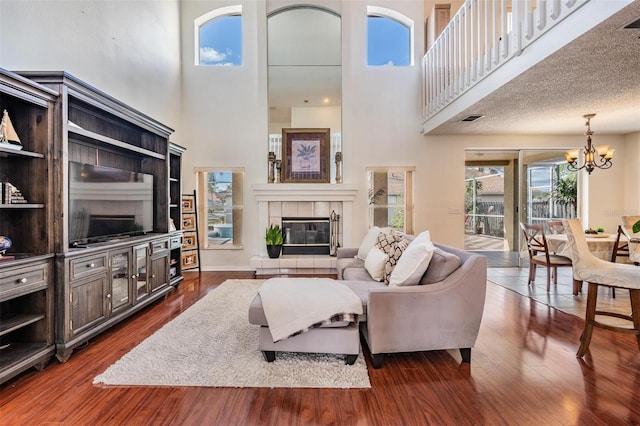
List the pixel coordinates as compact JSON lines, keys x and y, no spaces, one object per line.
{"x":106,"y":202}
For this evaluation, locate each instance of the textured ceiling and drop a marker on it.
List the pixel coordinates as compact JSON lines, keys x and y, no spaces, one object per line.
{"x":597,"y":73}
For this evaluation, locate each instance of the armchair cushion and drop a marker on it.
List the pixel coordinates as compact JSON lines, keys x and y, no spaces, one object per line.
{"x":412,"y":264}
{"x":369,"y":241}
{"x":374,"y":263}
{"x":442,"y":264}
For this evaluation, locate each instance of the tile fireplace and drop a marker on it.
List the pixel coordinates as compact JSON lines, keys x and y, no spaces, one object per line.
{"x":280,"y":201}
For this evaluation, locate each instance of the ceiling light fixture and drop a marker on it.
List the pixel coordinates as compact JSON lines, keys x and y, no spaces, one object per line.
{"x":594,"y":156}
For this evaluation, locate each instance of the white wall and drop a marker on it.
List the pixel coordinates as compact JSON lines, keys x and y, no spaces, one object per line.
{"x":631,"y":183}
{"x":128,"y":49}
{"x":320,"y":117}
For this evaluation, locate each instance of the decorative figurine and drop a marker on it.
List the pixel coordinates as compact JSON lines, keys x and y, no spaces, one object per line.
{"x":5,"y":244}
{"x":279,"y":170}
{"x":272,"y":161}
{"x":338,"y":167}
{"x":8,"y":136}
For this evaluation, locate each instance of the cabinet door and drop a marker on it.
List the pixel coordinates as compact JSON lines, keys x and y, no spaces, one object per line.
{"x":159,"y":272}
{"x":141,"y":264}
{"x":120,"y":280}
{"x":89,"y":303}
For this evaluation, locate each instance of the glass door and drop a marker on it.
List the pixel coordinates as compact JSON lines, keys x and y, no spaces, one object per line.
{"x":549,"y":190}
{"x":140,"y":270}
{"x":490,"y":205}
{"x":120,"y":296}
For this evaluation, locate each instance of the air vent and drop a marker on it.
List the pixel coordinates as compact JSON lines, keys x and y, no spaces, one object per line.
{"x":634,"y":25}
{"x":472,"y":117}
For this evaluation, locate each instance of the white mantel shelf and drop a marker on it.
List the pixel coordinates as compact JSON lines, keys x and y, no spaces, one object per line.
{"x":305,"y":192}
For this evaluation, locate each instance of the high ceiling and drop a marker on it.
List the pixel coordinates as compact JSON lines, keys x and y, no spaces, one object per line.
{"x":597,"y":73}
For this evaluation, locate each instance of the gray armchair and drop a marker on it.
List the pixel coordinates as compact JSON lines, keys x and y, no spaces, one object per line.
{"x":441,"y":315}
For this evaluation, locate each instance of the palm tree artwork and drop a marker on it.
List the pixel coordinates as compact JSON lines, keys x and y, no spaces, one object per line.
{"x":306,"y":157}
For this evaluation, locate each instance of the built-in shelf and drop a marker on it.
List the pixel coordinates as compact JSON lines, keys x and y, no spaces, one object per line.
{"x":9,"y":152}
{"x":14,"y":322}
{"x":21,"y":206}
{"x":93,"y":138}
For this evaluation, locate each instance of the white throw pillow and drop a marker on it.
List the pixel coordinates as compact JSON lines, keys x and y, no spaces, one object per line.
{"x":374,"y":263}
{"x":369,"y":241}
{"x":412,"y":264}
{"x":423,"y":237}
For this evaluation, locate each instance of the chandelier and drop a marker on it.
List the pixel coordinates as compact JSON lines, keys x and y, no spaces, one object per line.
{"x":594,"y":156}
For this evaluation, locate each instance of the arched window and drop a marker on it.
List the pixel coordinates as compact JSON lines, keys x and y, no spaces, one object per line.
{"x":390,"y":37}
{"x":218,"y":37}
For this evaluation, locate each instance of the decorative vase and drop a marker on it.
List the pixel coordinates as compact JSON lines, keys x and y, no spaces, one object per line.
{"x":274,"y":251}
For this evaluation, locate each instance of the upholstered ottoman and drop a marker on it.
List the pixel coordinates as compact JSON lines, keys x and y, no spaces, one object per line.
{"x":302,"y":298}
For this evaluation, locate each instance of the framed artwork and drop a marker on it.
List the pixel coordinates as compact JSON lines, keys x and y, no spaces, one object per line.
{"x":306,"y":155}
{"x":189,"y":241}
{"x":189,"y":259}
{"x":187,"y":204}
{"x":189,"y":222}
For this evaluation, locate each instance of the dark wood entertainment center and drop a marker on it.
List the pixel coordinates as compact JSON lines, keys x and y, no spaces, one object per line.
{"x":86,"y":288}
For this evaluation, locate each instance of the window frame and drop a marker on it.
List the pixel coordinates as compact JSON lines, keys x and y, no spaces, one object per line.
{"x":408,"y":196}
{"x":383,"y":12}
{"x":235,"y":10}
{"x":201,"y":193}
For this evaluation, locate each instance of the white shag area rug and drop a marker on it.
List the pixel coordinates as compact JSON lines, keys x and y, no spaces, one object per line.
{"x":212,"y":344}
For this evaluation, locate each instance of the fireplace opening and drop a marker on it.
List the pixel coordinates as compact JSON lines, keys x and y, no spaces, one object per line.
{"x":306,"y":235}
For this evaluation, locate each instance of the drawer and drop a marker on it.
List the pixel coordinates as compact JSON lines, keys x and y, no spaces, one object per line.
{"x":175,"y":242}
{"x":21,"y":281}
{"x":160,"y":245}
{"x":89,"y":265}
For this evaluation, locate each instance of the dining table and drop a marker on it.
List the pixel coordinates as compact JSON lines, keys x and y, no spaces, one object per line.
{"x":600,"y":245}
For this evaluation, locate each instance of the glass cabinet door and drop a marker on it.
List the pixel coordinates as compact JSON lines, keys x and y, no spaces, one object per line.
{"x":140,"y":275}
{"x":120,"y":280}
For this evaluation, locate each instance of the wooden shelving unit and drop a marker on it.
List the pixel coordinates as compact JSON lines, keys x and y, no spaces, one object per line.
{"x":26,"y":279}
{"x":99,"y":284}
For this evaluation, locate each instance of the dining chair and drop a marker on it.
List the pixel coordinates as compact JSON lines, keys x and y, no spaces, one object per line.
{"x":539,"y":253}
{"x":621,"y":246}
{"x":598,"y":272}
{"x":555,"y":226}
{"x":633,"y":244}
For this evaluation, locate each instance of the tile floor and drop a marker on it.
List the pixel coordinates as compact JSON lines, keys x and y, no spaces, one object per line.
{"x":561,"y":295}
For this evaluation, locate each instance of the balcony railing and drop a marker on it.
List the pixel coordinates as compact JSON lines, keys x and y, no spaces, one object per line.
{"x":479,"y":39}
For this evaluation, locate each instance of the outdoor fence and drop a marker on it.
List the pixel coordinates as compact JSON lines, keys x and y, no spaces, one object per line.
{"x":492,"y":222}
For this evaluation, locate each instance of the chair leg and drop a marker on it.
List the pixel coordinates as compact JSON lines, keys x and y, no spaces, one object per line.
{"x":548,"y":278}
{"x":577,"y":287}
{"x":634,"y":295}
{"x":532,"y":273}
{"x":585,"y":338}
{"x":555,"y":275}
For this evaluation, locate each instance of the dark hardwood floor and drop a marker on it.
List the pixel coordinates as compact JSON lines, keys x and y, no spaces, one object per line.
{"x":523,"y":372}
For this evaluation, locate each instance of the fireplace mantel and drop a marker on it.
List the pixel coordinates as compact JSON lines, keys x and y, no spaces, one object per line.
{"x":305,"y":192}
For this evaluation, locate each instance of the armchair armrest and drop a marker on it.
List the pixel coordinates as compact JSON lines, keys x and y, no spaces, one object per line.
{"x":347,"y":252}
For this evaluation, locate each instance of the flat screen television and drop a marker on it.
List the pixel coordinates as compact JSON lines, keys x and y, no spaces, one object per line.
{"x":106,"y":203}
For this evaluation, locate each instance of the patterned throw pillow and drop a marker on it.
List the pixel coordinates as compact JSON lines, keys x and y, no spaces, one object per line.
{"x":392,"y":258}
{"x":386,"y":241}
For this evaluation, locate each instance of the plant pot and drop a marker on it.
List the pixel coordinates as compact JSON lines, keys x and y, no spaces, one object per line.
{"x":274,"y":251}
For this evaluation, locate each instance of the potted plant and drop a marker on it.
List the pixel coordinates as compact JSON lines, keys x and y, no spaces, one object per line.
{"x":274,"y":239}
{"x":636,"y":227}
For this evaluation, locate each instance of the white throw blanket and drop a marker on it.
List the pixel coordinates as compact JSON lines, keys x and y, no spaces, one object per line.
{"x":292,"y":305}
